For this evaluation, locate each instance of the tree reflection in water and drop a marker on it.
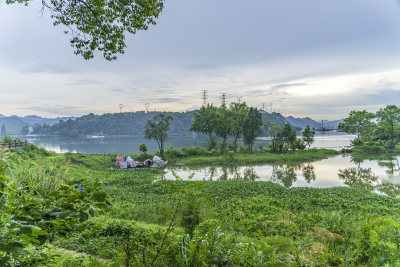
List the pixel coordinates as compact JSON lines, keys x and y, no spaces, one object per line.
{"x":365,"y":179}
{"x":250,"y":174}
{"x":308,"y":172}
{"x":285,"y":174}
{"x":358,"y":178}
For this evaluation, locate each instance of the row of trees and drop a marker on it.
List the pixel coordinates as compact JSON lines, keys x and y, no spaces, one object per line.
{"x":382,"y":127}
{"x":285,"y":137}
{"x":236,"y":120}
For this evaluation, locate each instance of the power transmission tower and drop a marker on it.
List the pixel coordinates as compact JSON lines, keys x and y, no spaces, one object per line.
{"x":205,"y":97}
{"x":147,"y":104}
{"x":223,"y":97}
{"x":239,"y":98}
{"x":270,"y":107}
{"x":263,"y":105}
{"x":120,"y":108}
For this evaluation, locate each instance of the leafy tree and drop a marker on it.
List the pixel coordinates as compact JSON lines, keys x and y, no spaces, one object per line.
{"x":205,"y":121}
{"x":143,"y":147}
{"x":289,"y":136}
{"x":3,"y":130}
{"x":239,"y":112}
{"x":358,"y":122}
{"x":274,"y":131}
{"x":388,"y":120}
{"x":224,"y":125}
{"x":101,"y":25}
{"x":157,"y":129}
{"x":308,"y":136}
{"x":252,"y":127}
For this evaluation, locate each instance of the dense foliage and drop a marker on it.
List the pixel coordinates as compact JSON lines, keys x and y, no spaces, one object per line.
{"x":157,"y":128}
{"x":377,"y":132}
{"x":239,"y":222}
{"x":236,"y":120}
{"x":101,"y":25}
{"x":38,"y":204}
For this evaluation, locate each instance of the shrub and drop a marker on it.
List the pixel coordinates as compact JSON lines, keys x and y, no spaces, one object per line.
{"x":143,"y":147}
{"x":195,"y":151}
{"x":213,"y":152}
{"x":174,"y":153}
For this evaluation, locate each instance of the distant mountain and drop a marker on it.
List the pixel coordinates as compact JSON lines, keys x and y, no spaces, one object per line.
{"x":14,"y":124}
{"x":303,"y":122}
{"x":33,"y":119}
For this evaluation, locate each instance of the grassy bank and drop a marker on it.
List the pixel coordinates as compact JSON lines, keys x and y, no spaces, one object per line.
{"x":256,"y":158}
{"x":256,"y":222}
{"x":223,"y":223}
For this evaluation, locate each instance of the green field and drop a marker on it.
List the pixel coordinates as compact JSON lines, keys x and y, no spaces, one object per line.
{"x":153,"y":222}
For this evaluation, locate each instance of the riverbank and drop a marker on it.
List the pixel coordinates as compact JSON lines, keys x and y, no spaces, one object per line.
{"x":255,"y":158}
{"x":225,"y":222}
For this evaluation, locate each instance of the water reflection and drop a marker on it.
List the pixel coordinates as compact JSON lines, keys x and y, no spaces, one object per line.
{"x":358,"y":178}
{"x":309,"y":172}
{"x":285,"y":174}
{"x":378,"y":173}
{"x":365,"y":179}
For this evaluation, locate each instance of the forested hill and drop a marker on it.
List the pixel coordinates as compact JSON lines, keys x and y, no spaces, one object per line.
{"x":128,"y":123}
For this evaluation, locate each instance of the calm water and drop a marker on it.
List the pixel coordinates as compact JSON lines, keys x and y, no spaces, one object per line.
{"x":379,"y":175}
{"x":129,"y":145}
{"x":382,"y":176}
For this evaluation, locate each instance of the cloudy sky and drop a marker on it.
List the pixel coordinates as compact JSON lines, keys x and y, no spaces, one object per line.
{"x":307,"y":57}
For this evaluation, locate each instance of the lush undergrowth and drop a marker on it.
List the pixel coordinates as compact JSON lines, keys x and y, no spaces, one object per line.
{"x":223,"y":223}
{"x":241,"y":222}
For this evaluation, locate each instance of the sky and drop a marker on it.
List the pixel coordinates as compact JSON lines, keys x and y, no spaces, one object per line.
{"x":312,"y":58}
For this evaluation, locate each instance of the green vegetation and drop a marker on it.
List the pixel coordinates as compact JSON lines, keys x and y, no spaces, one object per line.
{"x":201,"y":157}
{"x":235,"y":121}
{"x":238,"y":222}
{"x":132,"y":124}
{"x":101,"y":26}
{"x":251,"y":128}
{"x":143,"y":147}
{"x":204,"y":122}
{"x":379,"y":132}
{"x":39,"y":204}
{"x":157,"y":128}
{"x":157,"y":222}
{"x":308,"y":136}
{"x":283,"y":138}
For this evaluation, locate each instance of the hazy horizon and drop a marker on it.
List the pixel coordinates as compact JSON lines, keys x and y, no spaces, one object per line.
{"x":308,"y":58}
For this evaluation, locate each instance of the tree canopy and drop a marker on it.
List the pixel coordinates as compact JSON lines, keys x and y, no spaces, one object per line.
{"x":358,"y":122}
{"x":157,"y":129}
{"x":252,"y":127}
{"x":377,"y":132}
{"x":101,"y":25}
